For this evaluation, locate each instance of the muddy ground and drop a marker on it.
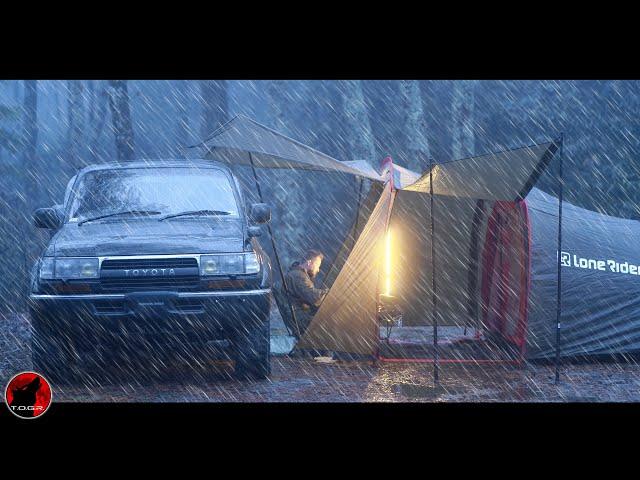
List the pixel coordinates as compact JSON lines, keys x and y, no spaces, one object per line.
{"x":301,"y":380}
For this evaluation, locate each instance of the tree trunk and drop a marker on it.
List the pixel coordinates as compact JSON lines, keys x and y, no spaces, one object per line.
{"x":358,"y":126}
{"x":30,"y":106}
{"x":288,"y":189}
{"x":463,"y":113}
{"x":16,"y":89}
{"x":415,"y":129}
{"x":76,"y":117}
{"x":277,"y":102}
{"x":29,"y":171}
{"x":91,"y":97}
{"x":99,"y":106}
{"x":215,"y":108}
{"x":182,"y":96}
{"x":59,"y":110}
{"x":121,"y":119}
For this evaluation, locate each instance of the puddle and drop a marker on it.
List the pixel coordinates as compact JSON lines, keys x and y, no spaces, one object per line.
{"x":412,"y":390}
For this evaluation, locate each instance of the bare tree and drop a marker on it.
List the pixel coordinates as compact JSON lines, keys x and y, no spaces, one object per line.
{"x":121,"y":119}
{"x":277,"y":104}
{"x":91,"y":100}
{"x":289,"y":189}
{"x":182,"y":94}
{"x":463,"y":118}
{"x":98,"y":115}
{"x":215,"y":105}
{"x":16,"y":89}
{"x":76,"y":120}
{"x":30,"y":170}
{"x":414,"y":124}
{"x":356,"y":116}
{"x":30,"y":141}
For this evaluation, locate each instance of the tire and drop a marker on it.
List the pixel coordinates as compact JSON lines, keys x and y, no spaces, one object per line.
{"x":251,"y":350}
{"x":50,"y":356}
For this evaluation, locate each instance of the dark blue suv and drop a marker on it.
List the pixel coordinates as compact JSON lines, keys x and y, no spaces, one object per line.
{"x":147,"y":259}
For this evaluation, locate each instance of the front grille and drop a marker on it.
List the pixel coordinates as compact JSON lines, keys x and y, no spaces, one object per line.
{"x":129,"y":274}
{"x":133,"y":263}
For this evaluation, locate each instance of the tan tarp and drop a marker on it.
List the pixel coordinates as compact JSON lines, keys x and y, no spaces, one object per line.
{"x":507,"y":175}
{"x":346,"y":320}
{"x":241,"y":140}
{"x":365,"y":167}
{"x":368,"y":204}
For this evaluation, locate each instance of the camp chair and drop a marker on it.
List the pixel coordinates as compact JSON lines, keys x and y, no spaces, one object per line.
{"x":285,"y":312}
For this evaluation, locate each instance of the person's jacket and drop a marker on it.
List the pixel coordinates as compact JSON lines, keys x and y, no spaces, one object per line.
{"x":301,"y":287}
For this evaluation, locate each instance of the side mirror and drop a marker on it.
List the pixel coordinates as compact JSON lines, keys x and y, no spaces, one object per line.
{"x":47,"y":218}
{"x":254,"y":231}
{"x":260,"y":213}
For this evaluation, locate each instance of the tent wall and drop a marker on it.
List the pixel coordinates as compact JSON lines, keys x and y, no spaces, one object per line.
{"x":347,"y":318}
{"x":600,"y":296}
{"x":456,"y":220}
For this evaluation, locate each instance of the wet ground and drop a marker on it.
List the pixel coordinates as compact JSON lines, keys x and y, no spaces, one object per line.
{"x":303,"y":380}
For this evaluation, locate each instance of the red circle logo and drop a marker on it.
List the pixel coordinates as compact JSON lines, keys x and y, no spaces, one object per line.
{"x":28,"y":395}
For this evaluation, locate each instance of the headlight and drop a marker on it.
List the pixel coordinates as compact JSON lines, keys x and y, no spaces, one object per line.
{"x":68,"y":268}
{"x":229,"y":264}
{"x":46,"y":268}
{"x":251,"y":264}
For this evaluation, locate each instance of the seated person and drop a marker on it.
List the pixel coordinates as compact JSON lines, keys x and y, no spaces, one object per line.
{"x":306,"y":298}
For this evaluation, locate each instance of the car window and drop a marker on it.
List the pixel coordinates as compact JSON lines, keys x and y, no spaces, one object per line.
{"x":67,"y":192}
{"x":166,"y":190}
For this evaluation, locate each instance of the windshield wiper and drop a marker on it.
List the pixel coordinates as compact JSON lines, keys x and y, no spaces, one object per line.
{"x":126,"y":212}
{"x":195,"y":212}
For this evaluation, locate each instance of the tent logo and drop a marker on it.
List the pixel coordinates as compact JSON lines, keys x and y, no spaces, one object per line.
{"x":569,"y":260}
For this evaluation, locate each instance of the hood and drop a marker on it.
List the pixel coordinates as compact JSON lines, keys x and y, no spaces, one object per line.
{"x":147,"y":237}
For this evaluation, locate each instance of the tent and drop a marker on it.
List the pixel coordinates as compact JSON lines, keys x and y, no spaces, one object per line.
{"x":469,"y":243}
{"x":445,"y":273}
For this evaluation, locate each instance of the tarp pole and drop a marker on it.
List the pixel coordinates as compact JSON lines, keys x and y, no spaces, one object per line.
{"x":275,"y":251}
{"x":436,"y":375}
{"x":559,"y":292}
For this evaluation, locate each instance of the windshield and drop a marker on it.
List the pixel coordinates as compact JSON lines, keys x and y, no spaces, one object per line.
{"x":163,"y":191}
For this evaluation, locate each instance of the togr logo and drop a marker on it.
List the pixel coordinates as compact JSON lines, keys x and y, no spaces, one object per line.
{"x":28,"y":395}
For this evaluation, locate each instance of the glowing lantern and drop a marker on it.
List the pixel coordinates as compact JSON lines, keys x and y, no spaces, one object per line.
{"x":387,"y":263}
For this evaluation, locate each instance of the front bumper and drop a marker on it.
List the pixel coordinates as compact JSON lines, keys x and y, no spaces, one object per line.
{"x":157,"y":317}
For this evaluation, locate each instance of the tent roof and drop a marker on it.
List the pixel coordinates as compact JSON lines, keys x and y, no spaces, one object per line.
{"x":242,"y":140}
{"x":508,"y":175}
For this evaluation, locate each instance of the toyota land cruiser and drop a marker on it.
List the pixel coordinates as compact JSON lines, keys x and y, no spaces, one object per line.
{"x":148,"y":257}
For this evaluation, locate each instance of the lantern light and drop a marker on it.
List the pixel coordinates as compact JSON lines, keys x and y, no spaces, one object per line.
{"x":387,"y":263}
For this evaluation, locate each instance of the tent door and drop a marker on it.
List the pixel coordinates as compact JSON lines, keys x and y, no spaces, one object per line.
{"x":505,"y":275}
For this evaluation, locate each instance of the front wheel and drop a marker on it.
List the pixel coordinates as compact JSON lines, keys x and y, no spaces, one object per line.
{"x":51,"y":356}
{"x":251,"y":350}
